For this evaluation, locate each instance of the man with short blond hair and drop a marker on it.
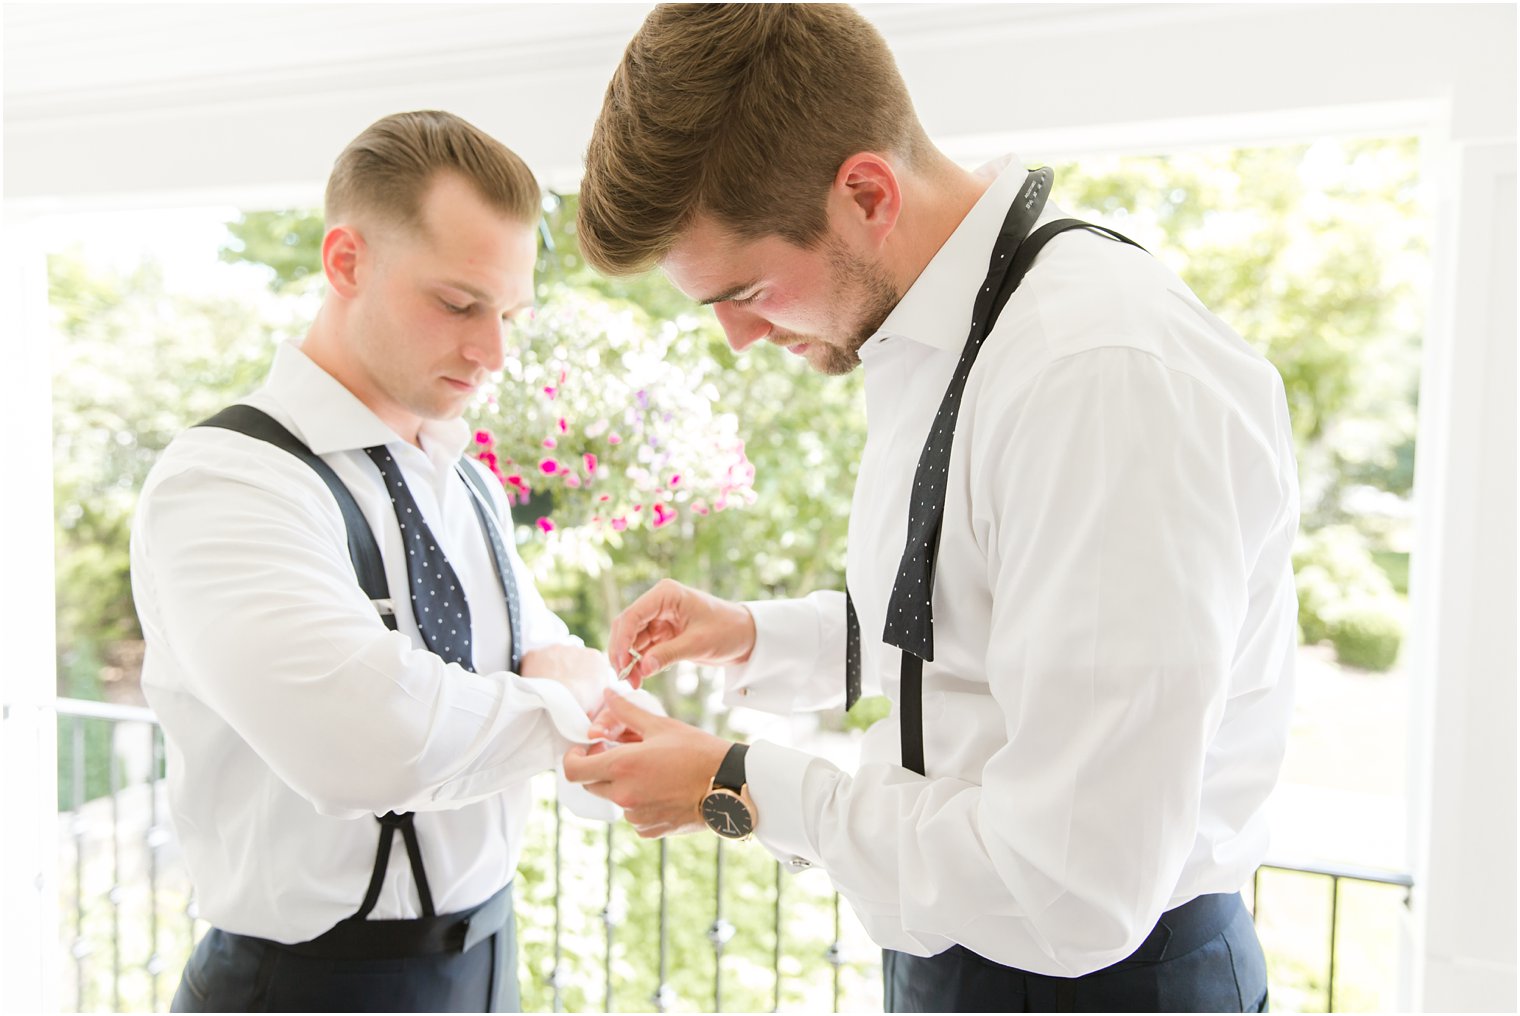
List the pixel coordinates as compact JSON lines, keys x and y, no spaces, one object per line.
{"x":355,"y":674}
{"x":1069,"y":559}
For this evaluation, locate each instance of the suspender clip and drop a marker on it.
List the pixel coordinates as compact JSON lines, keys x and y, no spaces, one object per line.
{"x":385,"y":608}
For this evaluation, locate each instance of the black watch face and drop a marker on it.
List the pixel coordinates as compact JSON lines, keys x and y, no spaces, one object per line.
{"x":726,"y":815}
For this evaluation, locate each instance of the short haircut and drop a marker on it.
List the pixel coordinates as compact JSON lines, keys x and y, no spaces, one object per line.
{"x":741,"y":112}
{"x":387,"y":169}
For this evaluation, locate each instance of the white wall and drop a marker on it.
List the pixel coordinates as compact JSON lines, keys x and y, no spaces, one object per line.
{"x":144,"y":105}
{"x":1463,"y":580}
{"x":28,"y":730}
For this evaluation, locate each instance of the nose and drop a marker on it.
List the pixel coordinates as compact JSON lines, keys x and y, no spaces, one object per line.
{"x":742,"y":328}
{"x":487,"y":345}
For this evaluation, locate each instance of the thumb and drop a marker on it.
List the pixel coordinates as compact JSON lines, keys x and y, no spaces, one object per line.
{"x":663,"y":654}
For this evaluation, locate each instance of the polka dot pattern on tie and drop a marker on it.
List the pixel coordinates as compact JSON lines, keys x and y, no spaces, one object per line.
{"x":910,"y":611}
{"x":434,"y":584}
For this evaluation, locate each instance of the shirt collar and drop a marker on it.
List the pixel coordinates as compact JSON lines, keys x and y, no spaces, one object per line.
{"x":936,"y":309}
{"x":330,"y":418}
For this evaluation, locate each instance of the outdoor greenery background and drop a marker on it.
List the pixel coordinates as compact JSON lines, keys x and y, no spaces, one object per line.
{"x":1316,"y":253}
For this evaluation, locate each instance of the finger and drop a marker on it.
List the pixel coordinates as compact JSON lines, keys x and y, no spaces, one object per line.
{"x":649,"y":829}
{"x":583,"y":767}
{"x":683,"y":646}
{"x":603,"y":790}
{"x":633,"y":720}
{"x":630,"y":624}
{"x":607,"y":728}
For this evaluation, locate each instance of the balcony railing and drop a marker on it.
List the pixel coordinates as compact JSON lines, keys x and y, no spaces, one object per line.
{"x":129,"y":920}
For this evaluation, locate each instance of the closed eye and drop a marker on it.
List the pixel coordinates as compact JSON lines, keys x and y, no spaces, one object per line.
{"x":455,"y":308}
{"x":745,"y":300}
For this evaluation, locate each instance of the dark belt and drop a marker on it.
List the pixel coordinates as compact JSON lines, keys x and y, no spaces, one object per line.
{"x":1177,"y":933}
{"x":1187,"y":927}
{"x":358,"y":939}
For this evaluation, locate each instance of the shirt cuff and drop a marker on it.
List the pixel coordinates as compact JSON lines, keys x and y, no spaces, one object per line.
{"x":786,"y":644}
{"x":775,"y":776}
{"x":565,"y":714}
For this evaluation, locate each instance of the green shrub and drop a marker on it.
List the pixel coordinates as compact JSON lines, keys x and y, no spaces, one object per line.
{"x":1346,"y":598}
{"x":867,"y":711}
{"x":1367,"y":633}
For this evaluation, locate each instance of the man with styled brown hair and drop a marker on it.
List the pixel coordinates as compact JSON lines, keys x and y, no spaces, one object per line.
{"x":1069,"y":560}
{"x":355,"y":674}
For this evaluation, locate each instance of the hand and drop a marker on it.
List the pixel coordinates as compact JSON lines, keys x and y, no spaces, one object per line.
{"x":675,"y":622}
{"x":658,"y":775}
{"x":583,"y":671}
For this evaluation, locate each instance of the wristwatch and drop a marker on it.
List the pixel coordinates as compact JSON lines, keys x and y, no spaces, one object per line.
{"x":727,"y":808}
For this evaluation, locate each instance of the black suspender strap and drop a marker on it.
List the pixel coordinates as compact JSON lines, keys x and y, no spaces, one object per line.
{"x":910,"y":621}
{"x":389,"y":823}
{"x":496,"y":536}
{"x":370,"y":571}
{"x":362,"y":550}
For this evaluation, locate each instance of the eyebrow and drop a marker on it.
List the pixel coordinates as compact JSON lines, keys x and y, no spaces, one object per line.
{"x":729,"y":293}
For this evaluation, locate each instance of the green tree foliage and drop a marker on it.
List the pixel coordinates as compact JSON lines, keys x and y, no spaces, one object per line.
{"x":288,"y":243}
{"x":1317,"y":254}
{"x":1345,"y":597}
{"x":134,"y":366}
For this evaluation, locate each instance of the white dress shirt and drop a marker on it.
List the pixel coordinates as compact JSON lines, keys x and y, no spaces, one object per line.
{"x":292,"y":715}
{"x":1114,"y":616}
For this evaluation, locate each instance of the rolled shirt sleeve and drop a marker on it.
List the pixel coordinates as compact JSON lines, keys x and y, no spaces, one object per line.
{"x":271,"y":631}
{"x":1119,"y":569}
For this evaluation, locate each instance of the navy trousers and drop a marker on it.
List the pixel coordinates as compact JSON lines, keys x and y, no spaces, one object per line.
{"x":1212,"y":971}
{"x":235,"y":973}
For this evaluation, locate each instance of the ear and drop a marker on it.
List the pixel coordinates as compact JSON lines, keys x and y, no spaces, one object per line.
{"x":866,"y":199}
{"x":342,"y":249}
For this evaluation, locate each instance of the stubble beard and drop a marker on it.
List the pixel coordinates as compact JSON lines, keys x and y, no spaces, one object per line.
{"x":875,"y":297}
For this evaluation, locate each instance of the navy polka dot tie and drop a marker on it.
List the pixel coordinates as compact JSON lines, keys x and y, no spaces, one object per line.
{"x":438,"y":601}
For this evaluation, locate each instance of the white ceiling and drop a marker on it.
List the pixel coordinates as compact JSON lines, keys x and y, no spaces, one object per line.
{"x":172,"y":103}
{"x":58,"y":53}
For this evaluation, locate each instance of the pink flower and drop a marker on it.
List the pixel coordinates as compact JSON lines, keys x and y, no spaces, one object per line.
{"x":699,"y":507}
{"x":550,"y":391}
{"x":571,"y":480}
{"x":663,"y":515}
{"x":548,"y":466}
{"x":614,"y":439}
{"x":590,"y":462}
{"x":546,"y":524}
{"x":619,"y":524}
{"x":605,"y":497}
{"x":516,"y":480}
{"x":564,"y":428}
{"x":549,"y":442}
{"x":483,"y":437}
{"x":489,"y":458}
{"x":675,"y":481}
